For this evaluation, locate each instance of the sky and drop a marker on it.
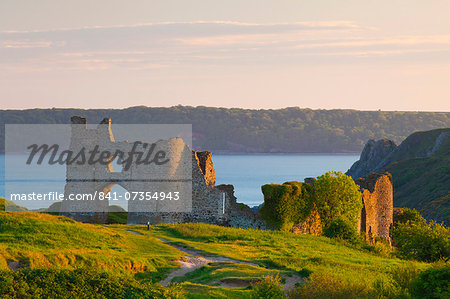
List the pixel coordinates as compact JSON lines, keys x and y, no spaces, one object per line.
{"x":324,"y":54}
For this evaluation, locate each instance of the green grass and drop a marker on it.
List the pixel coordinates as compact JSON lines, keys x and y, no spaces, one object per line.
{"x":303,"y":254}
{"x":286,"y":252}
{"x":422,"y":183}
{"x":420,"y":180}
{"x":10,"y":206}
{"x":200,"y":291}
{"x":42,"y":241}
{"x":117,"y":218}
{"x":214,"y":273}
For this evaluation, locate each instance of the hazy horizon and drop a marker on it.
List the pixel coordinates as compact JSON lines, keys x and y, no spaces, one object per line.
{"x":221,"y":107}
{"x":113,"y":54}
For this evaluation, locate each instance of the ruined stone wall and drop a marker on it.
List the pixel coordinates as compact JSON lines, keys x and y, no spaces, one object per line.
{"x":311,"y":225}
{"x":205,"y":164}
{"x":84,"y":178}
{"x":377,"y":214}
{"x":241,"y":215}
{"x":209,"y":204}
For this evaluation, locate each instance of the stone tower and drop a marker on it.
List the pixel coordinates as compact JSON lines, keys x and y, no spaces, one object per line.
{"x":377,"y":214}
{"x":188,"y":172}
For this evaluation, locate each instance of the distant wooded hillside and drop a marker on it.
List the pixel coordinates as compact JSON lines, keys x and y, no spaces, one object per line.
{"x":250,"y":131}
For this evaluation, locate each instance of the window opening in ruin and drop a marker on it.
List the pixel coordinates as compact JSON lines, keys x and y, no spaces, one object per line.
{"x":223,"y":203}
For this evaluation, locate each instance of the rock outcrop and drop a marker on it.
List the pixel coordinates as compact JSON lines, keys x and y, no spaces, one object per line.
{"x":378,"y":154}
{"x":420,"y":167}
{"x":372,"y":157}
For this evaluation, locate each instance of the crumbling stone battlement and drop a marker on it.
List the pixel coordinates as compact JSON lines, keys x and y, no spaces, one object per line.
{"x":376,"y":217}
{"x":206,"y":166}
{"x":210,"y":204}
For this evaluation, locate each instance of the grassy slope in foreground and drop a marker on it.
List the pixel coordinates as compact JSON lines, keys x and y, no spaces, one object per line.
{"x":53,"y":242}
{"x":46,"y":241}
{"x":303,"y":254}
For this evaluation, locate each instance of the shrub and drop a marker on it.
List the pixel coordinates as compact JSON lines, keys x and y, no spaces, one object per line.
{"x":337,"y":196}
{"x":324,"y":286}
{"x":379,"y":246}
{"x":80,"y":283}
{"x":269,"y":287}
{"x":341,"y":229}
{"x":422,"y":242}
{"x":411,"y":215}
{"x":432,"y":283}
{"x":286,"y":204}
{"x":399,"y":283}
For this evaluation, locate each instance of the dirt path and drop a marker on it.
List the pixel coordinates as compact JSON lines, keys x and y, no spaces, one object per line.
{"x":193,"y":260}
{"x":196,"y":261}
{"x":14,"y":266}
{"x":134,"y":232}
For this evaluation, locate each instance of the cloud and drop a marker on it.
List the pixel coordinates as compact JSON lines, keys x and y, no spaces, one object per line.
{"x":205,"y":26}
{"x":173,"y":44}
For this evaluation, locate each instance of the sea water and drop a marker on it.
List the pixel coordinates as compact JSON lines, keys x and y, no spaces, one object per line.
{"x":246,"y":172}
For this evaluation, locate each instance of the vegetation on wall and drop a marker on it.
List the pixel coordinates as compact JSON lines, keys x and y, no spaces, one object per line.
{"x":287,"y":204}
{"x":335,"y":195}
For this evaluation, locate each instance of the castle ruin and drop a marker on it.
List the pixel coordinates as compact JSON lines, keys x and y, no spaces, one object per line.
{"x":376,"y":217}
{"x":191,"y":172}
{"x":187,"y":171}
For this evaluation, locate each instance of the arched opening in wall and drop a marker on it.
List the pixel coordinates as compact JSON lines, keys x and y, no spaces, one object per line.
{"x":117,"y":167}
{"x":117,"y":196}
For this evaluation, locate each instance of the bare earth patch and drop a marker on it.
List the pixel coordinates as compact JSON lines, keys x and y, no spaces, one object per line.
{"x":15,"y":265}
{"x":193,"y":260}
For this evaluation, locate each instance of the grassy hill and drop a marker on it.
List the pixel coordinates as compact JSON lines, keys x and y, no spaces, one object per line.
{"x":420,"y":168}
{"x":10,"y":206}
{"x":140,"y":258}
{"x":423,"y":184}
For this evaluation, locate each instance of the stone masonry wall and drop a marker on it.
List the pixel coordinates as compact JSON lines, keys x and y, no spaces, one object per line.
{"x":377,"y":214}
{"x":209,"y":204}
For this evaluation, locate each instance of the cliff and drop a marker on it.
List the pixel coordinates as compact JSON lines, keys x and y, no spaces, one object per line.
{"x":372,"y":157}
{"x":420,"y":168}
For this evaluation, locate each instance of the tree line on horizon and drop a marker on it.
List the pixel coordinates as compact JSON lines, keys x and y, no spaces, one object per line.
{"x":288,"y":130}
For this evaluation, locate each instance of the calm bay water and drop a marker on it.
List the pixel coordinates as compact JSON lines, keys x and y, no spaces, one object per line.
{"x":249,"y":172}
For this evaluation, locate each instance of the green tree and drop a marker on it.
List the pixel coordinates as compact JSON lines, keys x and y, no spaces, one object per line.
{"x":411,"y":215}
{"x":341,"y":229}
{"x":422,"y":242}
{"x":337,"y":196}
